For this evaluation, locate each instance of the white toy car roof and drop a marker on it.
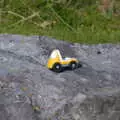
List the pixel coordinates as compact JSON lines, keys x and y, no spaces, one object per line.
{"x":55,"y":53}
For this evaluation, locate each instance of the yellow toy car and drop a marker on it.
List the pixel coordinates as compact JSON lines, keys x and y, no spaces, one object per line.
{"x":57,"y":63}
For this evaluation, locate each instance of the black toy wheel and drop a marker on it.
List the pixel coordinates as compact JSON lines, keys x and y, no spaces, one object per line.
{"x":73,"y":65}
{"x":57,"y":67}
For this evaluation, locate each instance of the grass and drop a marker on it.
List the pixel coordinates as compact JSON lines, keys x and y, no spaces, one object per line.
{"x":81,"y":25}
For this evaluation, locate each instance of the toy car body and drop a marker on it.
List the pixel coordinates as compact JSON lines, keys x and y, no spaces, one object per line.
{"x":57,"y":63}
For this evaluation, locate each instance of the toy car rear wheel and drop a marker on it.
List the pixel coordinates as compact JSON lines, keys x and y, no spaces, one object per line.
{"x":73,"y":65}
{"x":57,"y":67}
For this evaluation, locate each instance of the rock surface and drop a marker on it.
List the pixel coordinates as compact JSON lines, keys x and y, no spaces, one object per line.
{"x":29,"y":91}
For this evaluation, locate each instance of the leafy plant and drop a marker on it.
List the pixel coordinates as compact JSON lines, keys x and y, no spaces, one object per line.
{"x":81,"y":21}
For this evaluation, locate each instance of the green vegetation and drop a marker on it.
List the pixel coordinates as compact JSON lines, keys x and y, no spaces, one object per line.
{"x":83,"y":21}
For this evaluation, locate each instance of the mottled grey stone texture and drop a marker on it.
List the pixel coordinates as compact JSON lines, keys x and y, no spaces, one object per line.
{"x":29,"y":91}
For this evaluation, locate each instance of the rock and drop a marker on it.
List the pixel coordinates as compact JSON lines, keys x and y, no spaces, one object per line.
{"x":79,"y":98}
{"x":28,"y":90}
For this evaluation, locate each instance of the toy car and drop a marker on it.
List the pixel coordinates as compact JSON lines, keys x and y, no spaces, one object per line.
{"x":57,"y":63}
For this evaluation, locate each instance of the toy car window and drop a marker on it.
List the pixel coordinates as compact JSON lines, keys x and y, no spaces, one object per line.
{"x":53,"y":55}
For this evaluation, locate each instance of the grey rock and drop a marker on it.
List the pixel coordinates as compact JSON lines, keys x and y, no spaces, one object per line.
{"x":28,"y":90}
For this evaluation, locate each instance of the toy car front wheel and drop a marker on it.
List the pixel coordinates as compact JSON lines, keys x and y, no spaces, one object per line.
{"x":57,"y":67}
{"x":73,"y":65}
